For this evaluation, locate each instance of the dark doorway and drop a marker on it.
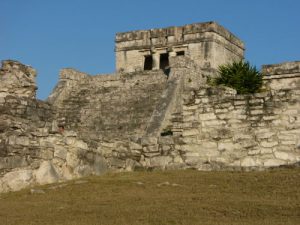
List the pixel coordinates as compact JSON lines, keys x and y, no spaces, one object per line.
{"x":164,"y":61}
{"x":180,"y":53}
{"x":148,"y":62}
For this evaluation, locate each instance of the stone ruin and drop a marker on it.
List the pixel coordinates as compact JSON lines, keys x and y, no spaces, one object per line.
{"x":156,"y":112}
{"x":207,"y":44}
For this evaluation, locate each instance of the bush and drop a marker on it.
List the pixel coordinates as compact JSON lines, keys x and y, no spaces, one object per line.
{"x":241,"y":76}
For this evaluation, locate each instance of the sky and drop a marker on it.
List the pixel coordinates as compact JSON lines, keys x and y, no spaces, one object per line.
{"x":53,"y":34}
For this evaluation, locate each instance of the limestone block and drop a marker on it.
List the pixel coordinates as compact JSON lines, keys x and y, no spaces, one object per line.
{"x":288,"y":142}
{"x":290,"y":112}
{"x":207,"y":116}
{"x":82,"y":145}
{"x":267,"y":144}
{"x":167,"y":140}
{"x":104,"y":151}
{"x":149,"y":141}
{"x":151,"y":154}
{"x":46,"y":174}
{"x":70,"y":133}
{"x":166,"y":148}
{"x":11,"y":162}
{"x":130,"y":165}
{"x":257,"y":112}
{"x":67,"y":172}
{"x":285,"y":156}
{"x":70,"y":140}
{"x":239,"y":102}
{"x":241,"y":136}
{"x":248,"y":143}
{"x":116,"y":163}
{"x":190,"y":132}
{"x":287,"y":137}
{"x":190,"y":107}
{"x":274,"y":162}
{"x":236,"y":163}
{"x":267,"y":118}
{"x":72,"y":159}
{"x":253,"y":152}
{"x":60,"y":152}
{"x":264,"y":151}
{"x":160,"y":161}
{"x":178,"y":159}
{"x":213,"y":123}
{"x":46,"y":153}
{"x":294,"y":131}
{"x":22,"y":140}
{"x":256,"y":101}
{"x":17,"y":180}
{"x":187,"y":113}
{"x":100,"y":165}
{"x":135,"y":146}
{"x":83,"y":170}
{"x":221,"y":111}
{"x":251,"y":162}
{"x":108,"y":144}
{"x":226,"y":146}
{"x":152,"y":148}
{"x":190,"y":118}
{"x":208,"y":144}
{"x":265,"y":135}
{"x":191,"y":148}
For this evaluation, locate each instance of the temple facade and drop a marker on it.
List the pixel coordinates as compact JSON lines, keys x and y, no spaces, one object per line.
{"x":208,"y":44}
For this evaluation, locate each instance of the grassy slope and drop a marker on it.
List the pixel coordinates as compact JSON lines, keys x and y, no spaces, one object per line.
{"x":192,"y":197}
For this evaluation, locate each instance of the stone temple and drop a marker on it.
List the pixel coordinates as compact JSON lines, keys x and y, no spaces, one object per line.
{"x":156,"y":112}
{"x":207,"y":44}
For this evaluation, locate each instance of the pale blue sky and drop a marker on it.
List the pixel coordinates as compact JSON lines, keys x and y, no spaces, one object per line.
{"x":54,"y":34}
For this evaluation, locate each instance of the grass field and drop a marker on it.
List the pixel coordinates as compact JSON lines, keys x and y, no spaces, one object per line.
{"x":171,"y":197}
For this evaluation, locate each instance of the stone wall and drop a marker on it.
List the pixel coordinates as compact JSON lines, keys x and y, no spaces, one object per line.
{"x":224,"y":129}
{"x":143,"y":120}
{"x":17,"y":79}
{"x":282,"y":76}
{"x":208,"y":44}
{"x":108,"y":107}
{"x":32,"y":148}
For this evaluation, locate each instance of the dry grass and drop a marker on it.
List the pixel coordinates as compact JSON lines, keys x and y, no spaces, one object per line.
{"x":171,"y":197}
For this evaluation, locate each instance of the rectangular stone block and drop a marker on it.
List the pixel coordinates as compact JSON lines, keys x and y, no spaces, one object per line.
{"x":207,"y":116}
{"x":149,"y":141}
{"x":213,"y":123}
{"x":239,"y":102}
{"x":190,"y":132}
{"x":221,"y":110}
{"x":257,"y":112}
{"x":267,"y":144}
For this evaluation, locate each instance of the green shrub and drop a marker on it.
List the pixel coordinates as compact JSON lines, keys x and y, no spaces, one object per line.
{"x":241,"y":76}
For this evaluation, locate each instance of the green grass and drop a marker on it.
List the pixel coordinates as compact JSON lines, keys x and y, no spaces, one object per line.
{"x":189,"y":197}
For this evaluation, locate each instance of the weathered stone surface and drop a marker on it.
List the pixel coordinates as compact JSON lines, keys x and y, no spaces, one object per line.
{"x":285,"y":156}
{"x":46,"y":174}
{"x":17,"y":180}
{"x":251,"y":162}
{"x":17,"y":79}
{"x":219,"y":46}
{"x":167,"y":119}
{"x":274,"y":162}
{"x":161,"y":161}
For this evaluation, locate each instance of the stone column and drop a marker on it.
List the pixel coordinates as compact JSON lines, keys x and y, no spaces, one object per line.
{"x":156,"y":57}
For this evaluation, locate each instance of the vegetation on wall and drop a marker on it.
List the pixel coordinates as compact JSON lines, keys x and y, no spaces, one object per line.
{"x":241,"y":76}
